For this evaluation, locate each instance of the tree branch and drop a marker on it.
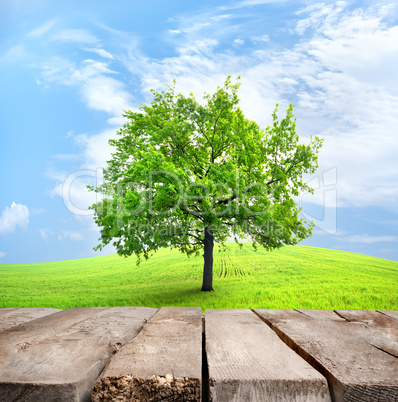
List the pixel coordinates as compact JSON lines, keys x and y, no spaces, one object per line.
{"x":195,"y":230}
{"x":227,"y":200}
{"x":182,"y":150}
{"x":196,"y":237}
{"x":215,"y":123}
{"x":286,"y":172}
{"x":188,"y":212}
{"x":189,"y":244}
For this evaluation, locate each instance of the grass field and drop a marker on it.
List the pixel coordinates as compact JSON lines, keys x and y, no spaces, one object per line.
{"x":292,"y":277}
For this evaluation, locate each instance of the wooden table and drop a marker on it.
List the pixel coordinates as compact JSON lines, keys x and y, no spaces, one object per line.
{"x":177,"y":353}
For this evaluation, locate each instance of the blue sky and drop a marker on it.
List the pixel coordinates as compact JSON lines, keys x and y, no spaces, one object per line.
{"x":69,"y":69}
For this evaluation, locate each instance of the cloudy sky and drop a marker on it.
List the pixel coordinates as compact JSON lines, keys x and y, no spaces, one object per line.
{"x":69,"y":69}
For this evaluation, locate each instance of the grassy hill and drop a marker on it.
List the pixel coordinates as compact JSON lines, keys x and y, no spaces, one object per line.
{"x":292,"y":277}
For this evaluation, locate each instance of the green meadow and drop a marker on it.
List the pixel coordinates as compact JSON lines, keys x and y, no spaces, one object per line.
{"x":291,"y":277}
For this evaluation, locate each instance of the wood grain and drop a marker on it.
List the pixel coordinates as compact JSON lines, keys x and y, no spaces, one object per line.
{"x":379,"y":330}
{"x":164,"y":361}
{"x":248,"y":362}
{"x":390,"y":313}
{"x":356,"y":370}
{"x":15,"y":316}
{"x":58,"y":357}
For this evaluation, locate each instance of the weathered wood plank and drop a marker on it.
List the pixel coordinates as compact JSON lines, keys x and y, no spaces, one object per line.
{"x":390,"y":313}
{"x":163,"y":361}
{"x":15,"y":316}
{"x":248,"y":362}
{"x":369,"y":317}
{"x":355,"y":369}
{"x":6,"y":310}
{"x":318,"y":314}
{"x":60,"y":356}
{"x":379,"y":330}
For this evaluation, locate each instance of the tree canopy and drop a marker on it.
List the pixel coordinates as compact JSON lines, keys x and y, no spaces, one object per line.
{"x":189,"y":174}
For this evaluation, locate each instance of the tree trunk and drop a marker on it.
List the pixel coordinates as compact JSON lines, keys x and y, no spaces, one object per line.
{"x":208,"y":264}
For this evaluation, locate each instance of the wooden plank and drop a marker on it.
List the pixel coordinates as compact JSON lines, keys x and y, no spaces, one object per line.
{"x":390,"y":313}
{"x":369,"y":317}
{"x":17,"y":316}
{"x":59,"y":357}
{"x":318,"y":314}
{"x":339,"y":349}
{"x":6,"y":310}
{"x":163,"y":362}
{"x":248,"y":362}
{"x":379,"y":330}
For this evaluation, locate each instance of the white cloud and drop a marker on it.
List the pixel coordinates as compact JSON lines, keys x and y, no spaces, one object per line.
{"x":58,"y":70}
{"x":98,"y":90}
{"x":319,"y":16}
{"x":15,"y":54}
{"x":94,"y":152}
{"x":260,"y":39}
{"x":249,"y":3}
{"x":96,"y":149}
{"x":89,"y":230}
{"x":106,"y":94}
{"x":190,"y":28}
{"x":238,"y":42}
{"x":101,"y":92}
{"x":217,"y":18}
{"x":71,"y":187}
{"x":45,"y":233}
{"x":42,"y":29}
{"x":196,"y":27}
{"x":341,"y":76}
{"x":198,"y":47}
{"x":71,"y":235}
{"x":366,"y":239}
{"x":100,"y":52}
{"x":246,"y":3}
{"x":75,"y":36}
{"x":90,"y":69}
{"x":16,"y":215}
{"x":118,"y":121}
{"x":352,"y":93}
{"x":2,"y":254}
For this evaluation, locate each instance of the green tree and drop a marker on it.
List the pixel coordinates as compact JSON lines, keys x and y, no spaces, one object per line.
{"x":187,"y":174}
